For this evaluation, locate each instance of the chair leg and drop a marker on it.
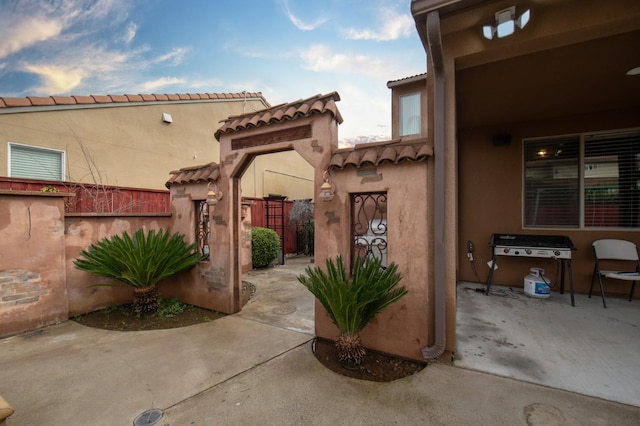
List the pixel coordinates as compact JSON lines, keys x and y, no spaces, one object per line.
{"x":592,"y":278}
{"x":604,"y":303}
{"x":633,"y":287}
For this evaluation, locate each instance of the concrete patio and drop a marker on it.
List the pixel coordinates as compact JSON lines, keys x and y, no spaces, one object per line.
{"x":242,"y":369}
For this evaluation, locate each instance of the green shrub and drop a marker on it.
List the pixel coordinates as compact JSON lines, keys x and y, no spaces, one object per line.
{"x":265,"y":245}
{"x":140,"y":262}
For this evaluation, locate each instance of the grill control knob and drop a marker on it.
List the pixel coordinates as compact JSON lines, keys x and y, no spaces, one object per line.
{"x":506,"y":250}
{"x":516,"y":252}
{"x":528,"y":251}
{"x":556,"y":252}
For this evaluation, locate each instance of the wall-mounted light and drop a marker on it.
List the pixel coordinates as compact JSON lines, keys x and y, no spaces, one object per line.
{"x":327,"y":189}
{"x":213,"y":196}
{"x":506,"y":23}
{"x":166,"y":117}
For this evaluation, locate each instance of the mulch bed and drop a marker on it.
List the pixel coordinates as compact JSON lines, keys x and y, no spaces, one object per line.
{"x":376,"y":367}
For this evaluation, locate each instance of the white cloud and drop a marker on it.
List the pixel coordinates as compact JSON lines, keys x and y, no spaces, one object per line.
{"x":175,"y":56}
{"x":152,"y":86}
{"x":130,"y":33}
{"x":57,"y":79}
{"x":321,"y":58}
{"x":298,"y":22}
{"x":16,"y":35}
{"x":393,"y":26}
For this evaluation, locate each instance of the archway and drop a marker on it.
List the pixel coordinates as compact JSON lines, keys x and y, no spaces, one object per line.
{"x":308,"y":127}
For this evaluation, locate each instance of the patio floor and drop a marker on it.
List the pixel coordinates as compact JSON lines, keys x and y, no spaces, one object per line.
{"x":585,"y":349}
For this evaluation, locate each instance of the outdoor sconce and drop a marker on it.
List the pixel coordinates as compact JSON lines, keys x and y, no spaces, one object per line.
{"x":506,"y":23}
{"x":213,"y":196}
{"x":327,"y":189}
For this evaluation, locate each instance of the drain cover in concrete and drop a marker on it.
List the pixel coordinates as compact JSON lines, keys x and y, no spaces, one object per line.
{"x":148,"y":418}
{"x":284,"y":310}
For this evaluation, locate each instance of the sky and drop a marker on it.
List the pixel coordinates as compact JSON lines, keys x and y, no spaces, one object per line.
{"x":286,"y":49}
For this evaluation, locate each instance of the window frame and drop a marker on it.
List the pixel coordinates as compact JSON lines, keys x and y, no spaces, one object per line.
{"x":63,"y":158}
{"x":581,"y":196}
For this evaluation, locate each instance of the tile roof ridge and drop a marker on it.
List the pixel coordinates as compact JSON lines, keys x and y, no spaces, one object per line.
{"x":58,"y":100}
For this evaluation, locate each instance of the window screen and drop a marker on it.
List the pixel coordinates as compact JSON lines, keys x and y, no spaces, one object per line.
{"x":410,"y":114}
{"x":35,"y":163}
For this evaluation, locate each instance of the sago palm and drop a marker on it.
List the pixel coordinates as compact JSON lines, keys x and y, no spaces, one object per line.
{"x":140,"y":262}
{"x":352,"y":303}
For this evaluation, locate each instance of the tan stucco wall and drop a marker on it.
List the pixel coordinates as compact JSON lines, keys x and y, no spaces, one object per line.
{"x":32,"y":269}
{"x":126,"y":145}
{"x":282,"y":173}
{"x":406,"y":326}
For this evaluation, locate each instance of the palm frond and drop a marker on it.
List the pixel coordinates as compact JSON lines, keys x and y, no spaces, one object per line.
{"x":139,"y":261}
{"x":353,"y":303}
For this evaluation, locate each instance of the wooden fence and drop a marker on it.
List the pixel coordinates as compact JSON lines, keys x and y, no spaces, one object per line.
{"x":90,"y":198}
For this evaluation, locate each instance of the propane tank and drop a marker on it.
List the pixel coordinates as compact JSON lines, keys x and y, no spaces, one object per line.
{"x":535,"y":285}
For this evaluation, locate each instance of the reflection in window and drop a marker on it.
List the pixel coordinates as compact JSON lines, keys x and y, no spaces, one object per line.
{"x":551,"y":183}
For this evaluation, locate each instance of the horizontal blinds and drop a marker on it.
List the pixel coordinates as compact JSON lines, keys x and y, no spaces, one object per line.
{"x":612,"y":180}
{"x":35,"y":163}
{"x":410,"y":114}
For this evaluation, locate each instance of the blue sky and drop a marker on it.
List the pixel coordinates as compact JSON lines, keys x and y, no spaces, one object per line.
{"x":286,"y":49}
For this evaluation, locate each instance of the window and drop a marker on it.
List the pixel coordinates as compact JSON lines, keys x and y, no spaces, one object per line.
{"x":35,"y":163}
{"x":410,"y":114}
{"x":369,"y":226}
{"x":203,"y":227}
{"x":590,"y":180}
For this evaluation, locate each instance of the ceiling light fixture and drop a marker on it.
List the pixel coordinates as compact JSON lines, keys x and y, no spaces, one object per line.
{"x":506,"y":23}
{"x":634,"y":71}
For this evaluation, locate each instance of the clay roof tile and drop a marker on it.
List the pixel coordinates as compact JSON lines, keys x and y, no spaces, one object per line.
{"x":64,"y":100}
{"x":353,"y":159}
{"x":17,"y":102}
{"x":101,"y":99}
{"x":118,"y":98}
{"x":388,"y":154}
{"x":337,"y":161}
{"x":407,"y":153}
{"x":134,"y":98}
{"x":370,"y":156}
{"x":41,"y":100}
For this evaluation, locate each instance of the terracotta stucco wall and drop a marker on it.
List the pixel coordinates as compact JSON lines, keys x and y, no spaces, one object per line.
{"x":406,"y":326}
{"x":80,"y":233}
{"x":32,"y":269}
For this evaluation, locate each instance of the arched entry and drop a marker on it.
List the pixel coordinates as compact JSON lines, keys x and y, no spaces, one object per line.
{"x":308,"y":127}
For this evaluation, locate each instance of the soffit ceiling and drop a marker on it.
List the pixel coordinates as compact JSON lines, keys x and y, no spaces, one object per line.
{"x":575,"y":79}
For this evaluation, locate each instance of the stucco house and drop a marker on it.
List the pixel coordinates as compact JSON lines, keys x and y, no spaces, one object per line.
{"x":131,"y":140}
{"x":534,"y":114}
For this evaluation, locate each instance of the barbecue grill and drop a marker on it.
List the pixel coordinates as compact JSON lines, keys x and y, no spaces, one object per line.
{"x":537,"y":246}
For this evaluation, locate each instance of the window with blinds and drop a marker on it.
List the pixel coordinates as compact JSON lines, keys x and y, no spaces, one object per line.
{"x":410,"y":114}
{"x":35,"y":163}
{"x":589,"y":180}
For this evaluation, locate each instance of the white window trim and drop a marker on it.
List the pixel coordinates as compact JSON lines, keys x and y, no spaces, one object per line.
{"x":62,"y":153}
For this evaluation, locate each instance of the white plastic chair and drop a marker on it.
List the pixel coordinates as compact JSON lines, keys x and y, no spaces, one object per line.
{"x":610,"y":251}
